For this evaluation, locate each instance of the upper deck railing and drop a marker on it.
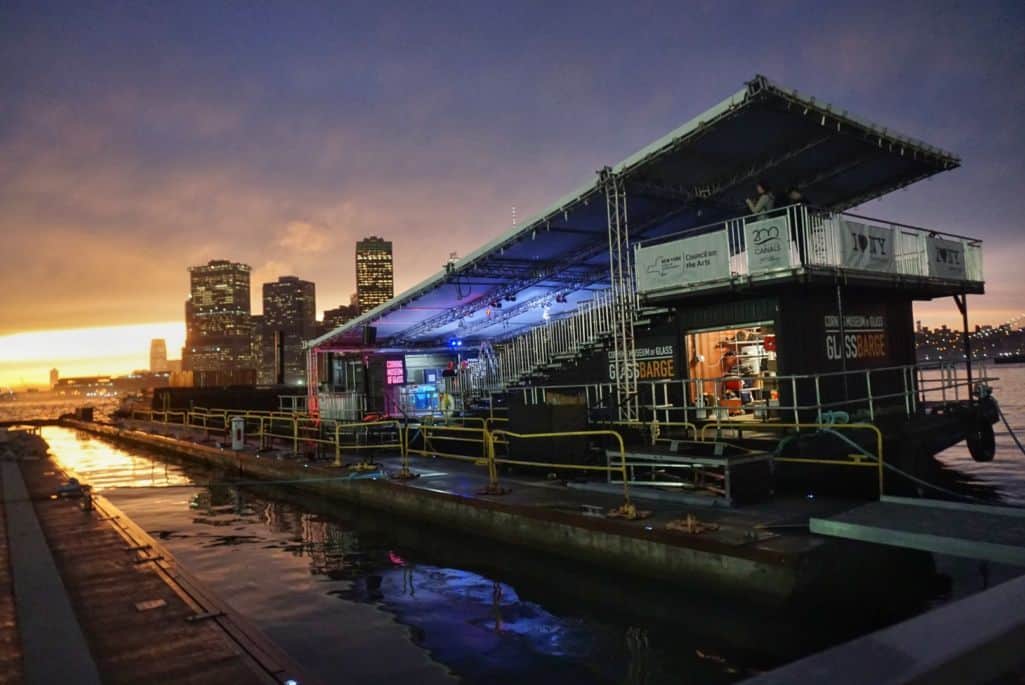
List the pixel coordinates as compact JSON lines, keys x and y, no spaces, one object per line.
{"x":797,"y":238}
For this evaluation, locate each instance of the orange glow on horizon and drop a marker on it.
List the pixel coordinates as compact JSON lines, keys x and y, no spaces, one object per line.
{"x":26,"y":358}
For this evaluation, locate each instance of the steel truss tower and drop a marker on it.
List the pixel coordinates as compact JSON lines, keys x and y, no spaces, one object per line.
{"x":624,"y":355}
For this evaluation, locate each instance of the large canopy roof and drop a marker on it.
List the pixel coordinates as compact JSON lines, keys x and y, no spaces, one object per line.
{"x":698,"y":174}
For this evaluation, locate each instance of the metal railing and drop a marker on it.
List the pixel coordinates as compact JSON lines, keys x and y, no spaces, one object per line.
{"x":794,"y":398}
{"x":543,"y":345}
{"x":627,"y":510}
{"x":856,"y":459}
{"x":805,"y":237}
{"x":394,"y":435}
{"x":353,"y":437}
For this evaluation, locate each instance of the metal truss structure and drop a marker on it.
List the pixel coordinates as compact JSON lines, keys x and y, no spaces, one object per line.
{"x":623,"y":361}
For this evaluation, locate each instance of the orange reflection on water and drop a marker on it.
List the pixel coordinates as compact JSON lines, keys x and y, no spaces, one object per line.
{"x":105,"y":466}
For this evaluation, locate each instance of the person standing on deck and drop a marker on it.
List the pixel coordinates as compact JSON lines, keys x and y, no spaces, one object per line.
{"x":764,"y":202}
{"x":798,"y":230}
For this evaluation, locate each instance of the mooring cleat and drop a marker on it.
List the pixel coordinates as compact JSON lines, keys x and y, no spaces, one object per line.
{"x":629,"y":512}
{"x":404,"y":474}
{"x":364,"y":466}
{"x":691,"y":525}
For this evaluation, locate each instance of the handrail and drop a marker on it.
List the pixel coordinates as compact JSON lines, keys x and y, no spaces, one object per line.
{"x":426,"y":429}
{"x":747,"y":425}
{"x":399,"y":428}
{"x":694,"y":230}
{"x":626,"y":511}
{"x":913,"y":381}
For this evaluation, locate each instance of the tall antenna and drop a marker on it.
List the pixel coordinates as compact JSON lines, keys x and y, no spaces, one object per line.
{"x":514,"y":214}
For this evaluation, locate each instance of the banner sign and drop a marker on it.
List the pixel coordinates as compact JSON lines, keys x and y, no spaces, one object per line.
{"x":867,"y":248}
{"x":946,"y":259}
{"x":684,"y":262}
{"x":768,"y":244}
{"x":864,"y":337}
{"x":654,"y":361}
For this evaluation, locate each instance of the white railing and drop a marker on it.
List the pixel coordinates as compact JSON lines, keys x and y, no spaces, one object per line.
{"x":543,"y":345}
{"x":778,"y":243}
{"x":795,"y":398}
{"x":342,"y":406}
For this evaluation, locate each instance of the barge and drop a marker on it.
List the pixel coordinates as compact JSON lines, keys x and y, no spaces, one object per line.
{"x":654,"y":303}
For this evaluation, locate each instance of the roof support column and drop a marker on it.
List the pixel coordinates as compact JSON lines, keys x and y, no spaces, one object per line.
{"x":623,"y":353}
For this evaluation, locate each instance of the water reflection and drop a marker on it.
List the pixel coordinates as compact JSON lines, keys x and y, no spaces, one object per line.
{"x":108,"y":467}
{"x":477,"y":625}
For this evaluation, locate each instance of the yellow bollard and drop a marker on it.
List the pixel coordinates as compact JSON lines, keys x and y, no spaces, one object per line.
{"x":493,"y":487}
{"x":338,"y":447}
{"x":404,"y":472}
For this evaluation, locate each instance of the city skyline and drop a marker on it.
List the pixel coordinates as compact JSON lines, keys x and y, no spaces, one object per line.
{"x":111,"y":350}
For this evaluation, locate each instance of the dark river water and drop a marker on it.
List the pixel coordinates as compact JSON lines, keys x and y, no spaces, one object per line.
{"x":357,"y":597}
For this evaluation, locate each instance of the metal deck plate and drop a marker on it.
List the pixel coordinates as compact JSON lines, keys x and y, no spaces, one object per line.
{"x":962,"y":530}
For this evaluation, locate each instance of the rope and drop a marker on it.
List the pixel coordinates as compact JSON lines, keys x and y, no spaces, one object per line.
{"x":1008,"y":426}
{"x":914,"y":479}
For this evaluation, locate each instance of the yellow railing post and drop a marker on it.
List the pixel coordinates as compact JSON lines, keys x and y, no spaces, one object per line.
{"x":338,"y":446}
{"x":404,"y":471}
{"x":295,"y":436}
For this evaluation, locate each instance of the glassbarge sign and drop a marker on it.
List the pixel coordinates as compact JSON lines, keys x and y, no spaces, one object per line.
{"x":864,"y":337}
{"x":655,"y":360}
{"x":689,"y":261}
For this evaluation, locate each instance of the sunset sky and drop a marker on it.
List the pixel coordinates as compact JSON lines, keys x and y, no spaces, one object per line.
{"x":137,"y":138}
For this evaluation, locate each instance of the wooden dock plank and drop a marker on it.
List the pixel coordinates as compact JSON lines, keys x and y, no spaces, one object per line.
{"x":54,"y":646}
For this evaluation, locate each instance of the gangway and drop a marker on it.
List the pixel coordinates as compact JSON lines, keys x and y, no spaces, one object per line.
{"x":985,"y":532}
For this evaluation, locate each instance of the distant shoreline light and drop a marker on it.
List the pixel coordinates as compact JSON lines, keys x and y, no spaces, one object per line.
{"x":26,"y":358}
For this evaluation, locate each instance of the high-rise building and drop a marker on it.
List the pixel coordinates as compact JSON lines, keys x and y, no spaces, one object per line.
{"x":375,"y":272}
{"x":158,"y":355}
{"x":218,"y":325}
{"x":54,"y":377}
{"x":289,"y":318}
{"x":333,"y":318}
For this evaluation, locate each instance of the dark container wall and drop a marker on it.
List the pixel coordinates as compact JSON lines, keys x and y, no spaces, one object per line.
{"x":879,"y":333}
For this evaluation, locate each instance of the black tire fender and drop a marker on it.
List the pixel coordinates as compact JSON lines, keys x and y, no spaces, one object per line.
{"x":981,"y":440}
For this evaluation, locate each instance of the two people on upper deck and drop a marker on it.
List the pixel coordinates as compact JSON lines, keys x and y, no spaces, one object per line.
{"x":765,"y":202}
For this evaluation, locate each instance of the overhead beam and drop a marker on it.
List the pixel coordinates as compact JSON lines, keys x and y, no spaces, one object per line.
{"x":506,"y":312}
{"x":460,"y":312}
{"x":754,"y":171}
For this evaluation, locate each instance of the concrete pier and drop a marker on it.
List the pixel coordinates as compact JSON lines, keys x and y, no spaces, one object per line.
{"x":976,"y":640}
